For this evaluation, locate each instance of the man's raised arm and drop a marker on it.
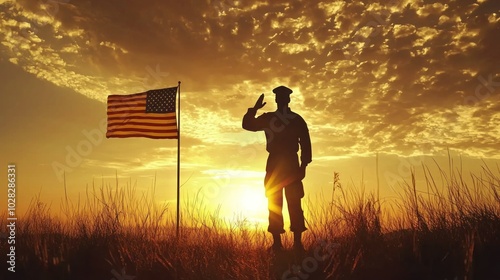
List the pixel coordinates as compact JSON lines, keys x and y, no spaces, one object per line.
{"x":249,"y":121}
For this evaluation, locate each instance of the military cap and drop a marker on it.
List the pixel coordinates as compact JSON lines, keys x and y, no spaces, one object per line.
{"x":282,"y":90}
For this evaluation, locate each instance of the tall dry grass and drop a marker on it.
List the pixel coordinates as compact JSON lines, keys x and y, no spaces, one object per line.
{"x":448,"y":228}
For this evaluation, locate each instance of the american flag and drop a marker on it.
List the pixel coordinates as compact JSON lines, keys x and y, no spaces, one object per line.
{"x":149,"y":114}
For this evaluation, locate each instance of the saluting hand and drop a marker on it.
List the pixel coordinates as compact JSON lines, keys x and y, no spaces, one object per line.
{"x":259,"y":103}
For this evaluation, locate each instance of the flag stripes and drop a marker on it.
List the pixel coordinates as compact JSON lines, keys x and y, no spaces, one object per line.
{"x":150,"y":114}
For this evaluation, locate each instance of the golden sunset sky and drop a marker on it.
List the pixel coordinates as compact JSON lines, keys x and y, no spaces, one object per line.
{"x":409,"y":80}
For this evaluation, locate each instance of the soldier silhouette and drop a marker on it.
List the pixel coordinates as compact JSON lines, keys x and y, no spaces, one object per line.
{"x":285,"y":132}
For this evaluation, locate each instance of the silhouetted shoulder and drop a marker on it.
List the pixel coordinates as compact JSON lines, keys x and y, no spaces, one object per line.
{"x":298,"y":118}
{"x":295,"y":114}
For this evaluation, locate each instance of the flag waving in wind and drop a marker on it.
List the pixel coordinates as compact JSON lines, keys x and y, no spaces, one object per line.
{"x":149,"y":114}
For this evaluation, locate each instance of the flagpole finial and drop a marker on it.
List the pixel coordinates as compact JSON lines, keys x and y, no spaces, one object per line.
{"x":179,"y":82}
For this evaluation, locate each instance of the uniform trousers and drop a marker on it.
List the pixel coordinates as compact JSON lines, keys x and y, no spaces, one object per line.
{"x":283,"y":175}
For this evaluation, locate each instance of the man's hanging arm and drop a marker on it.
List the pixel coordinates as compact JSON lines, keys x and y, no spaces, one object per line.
{"x":305,"y":147}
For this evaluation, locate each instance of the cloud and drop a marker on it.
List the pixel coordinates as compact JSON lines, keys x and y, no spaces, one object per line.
{"x":371,"y":77}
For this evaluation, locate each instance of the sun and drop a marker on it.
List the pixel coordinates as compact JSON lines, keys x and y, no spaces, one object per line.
{"x":246,"y":201}
{"x":253,"y":200}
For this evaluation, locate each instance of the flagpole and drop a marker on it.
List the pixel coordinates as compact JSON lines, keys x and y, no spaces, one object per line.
{"x":178,"y":154}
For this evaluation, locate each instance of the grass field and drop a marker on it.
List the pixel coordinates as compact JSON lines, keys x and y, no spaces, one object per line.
{"x":450,"y":231}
